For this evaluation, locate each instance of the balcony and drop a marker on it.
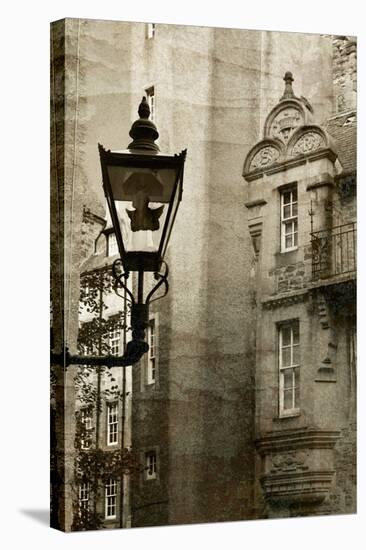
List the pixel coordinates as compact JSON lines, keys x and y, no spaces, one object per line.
{"x":334,"y":251}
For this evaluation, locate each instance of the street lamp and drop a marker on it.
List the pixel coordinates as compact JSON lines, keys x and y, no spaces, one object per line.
{"x":143,"y":188}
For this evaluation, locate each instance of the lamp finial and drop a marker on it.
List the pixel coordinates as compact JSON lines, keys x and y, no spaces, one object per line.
{"x":144,"y":109}
{"x":143,"y":131}
{"x":288,"y":93}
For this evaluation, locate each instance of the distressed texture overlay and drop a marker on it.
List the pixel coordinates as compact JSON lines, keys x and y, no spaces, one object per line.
{"x":245,"y":405}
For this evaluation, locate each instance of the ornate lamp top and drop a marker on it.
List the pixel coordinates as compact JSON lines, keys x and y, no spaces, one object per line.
{"x":288,"y":93}
{"x":143,"y":131}
{"x":144,"y":109}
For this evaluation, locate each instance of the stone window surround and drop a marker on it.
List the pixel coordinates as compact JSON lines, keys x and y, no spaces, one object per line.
{"x":110,"y":500}
{"x":285,"y":413}
{"x":150,"y":465}
{"x":112,"y":405}
{"x":114,"y":338}
{"x":143,"y":452}
{"x":147,"y":385}
{"x":151,"y":354}
{"x":289,"y":187}
{"x":150,"y":30}
{"x":84,"y":495}
{"x":86,"y":419}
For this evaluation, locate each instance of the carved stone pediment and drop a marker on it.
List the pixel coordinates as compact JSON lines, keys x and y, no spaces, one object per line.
{"x":307,"y":140}
{"x":289,"y":137}
{"x":285,"y":121}
{"x":265,"y":157}
{"x":264,"y":154}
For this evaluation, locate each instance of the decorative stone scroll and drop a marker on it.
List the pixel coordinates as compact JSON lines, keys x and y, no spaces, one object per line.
{"x":328,"y":341}
{"x":290,"y":461}
{"x":307,"y":143}
{"x":265,"y":157}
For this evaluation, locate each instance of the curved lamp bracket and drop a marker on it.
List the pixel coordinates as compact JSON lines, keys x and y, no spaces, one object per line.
{"x":136,"y":347}
{"x":162,"y":279}
{"x":119,"y":275}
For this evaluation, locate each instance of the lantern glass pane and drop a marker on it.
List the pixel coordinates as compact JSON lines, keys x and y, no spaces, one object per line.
{"x":171,"y":219}
{"x":141,"y":197}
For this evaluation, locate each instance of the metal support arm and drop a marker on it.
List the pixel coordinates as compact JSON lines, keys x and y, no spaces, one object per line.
{"x":137,"y":347}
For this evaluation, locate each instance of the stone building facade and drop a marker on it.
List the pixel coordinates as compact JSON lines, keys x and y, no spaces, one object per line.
{"x":304,"y":236}
{"x":206,"y":425}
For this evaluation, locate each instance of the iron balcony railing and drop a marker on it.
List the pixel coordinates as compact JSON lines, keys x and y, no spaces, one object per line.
{"x":334,"y":251}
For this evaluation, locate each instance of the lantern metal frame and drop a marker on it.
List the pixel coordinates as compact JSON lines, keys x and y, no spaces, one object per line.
{"x":138,"y":260}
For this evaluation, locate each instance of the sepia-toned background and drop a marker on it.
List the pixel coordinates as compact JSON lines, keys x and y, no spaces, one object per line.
{"x":250,"y":412}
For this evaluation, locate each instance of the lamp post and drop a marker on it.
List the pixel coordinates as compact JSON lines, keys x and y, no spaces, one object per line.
{"x":143,"y":188}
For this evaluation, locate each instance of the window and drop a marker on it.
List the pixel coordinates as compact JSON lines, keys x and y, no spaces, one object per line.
{"x":114,"y":340}
{"x":85,"y":289}
{"x":289,"y":219}
{"x":289,"y":368}
{"x":111,"y":499}
{"x":87,"y":425}
{"x":150,"y":465}
{"x":87,"y":344}
{"x":151,"y":356}
{"x":150,"y":97}
{"x":84,"y":492}
{"x":112,"y":247}
{"x":112,"y":423}
{"x":150,"y":30}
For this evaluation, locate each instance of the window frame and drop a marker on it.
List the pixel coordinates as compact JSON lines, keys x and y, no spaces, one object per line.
{"x":285,"y":221}
{"x":86,"y":288}
{"x":84,"y":487}
{"x":115,"y":423}
{"x":151,"y":367}
{"x":295,"y":386}
{"x":86,"y":418}
{"x":112,"y":235}
{"x":111,"y":484}
{"x":150,"y":30}
{"x":150,"y":466}
{"x":114,"y":341}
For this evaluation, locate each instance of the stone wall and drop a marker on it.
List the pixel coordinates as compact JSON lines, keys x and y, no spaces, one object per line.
{"x":73,"y":232}
{"x":290,"y":277}
{"x":344,"y":73}
{"x":200,"y":414}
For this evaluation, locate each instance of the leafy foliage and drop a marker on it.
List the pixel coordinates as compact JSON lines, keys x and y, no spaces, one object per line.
{"x":94,"y":465}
